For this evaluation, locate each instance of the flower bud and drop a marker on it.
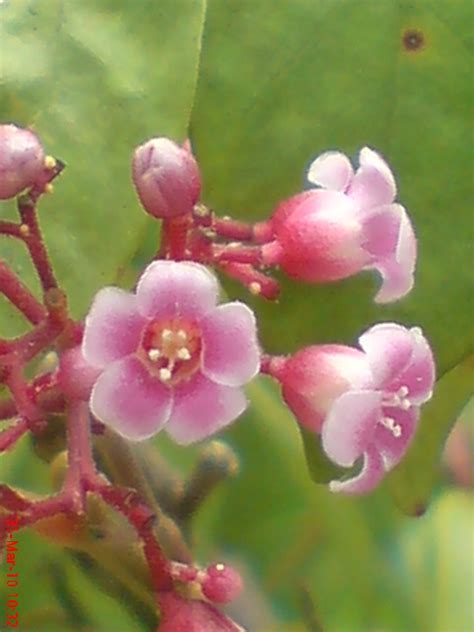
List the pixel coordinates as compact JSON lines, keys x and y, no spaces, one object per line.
{"x":314,"y":377}
{"x":221,"y":583}
{"x":21,"y":160}
{"x":76,"y":376}
{"x":166,"y":177}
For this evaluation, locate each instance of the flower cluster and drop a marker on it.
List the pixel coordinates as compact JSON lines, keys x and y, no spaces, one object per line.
{"x":169,"y":356}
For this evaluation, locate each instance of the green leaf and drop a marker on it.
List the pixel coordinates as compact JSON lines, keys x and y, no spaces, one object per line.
{"x":278,"y":86}
{"x":412,"y":481}
{"x":320,"y":467}
{"x":95,"y":78}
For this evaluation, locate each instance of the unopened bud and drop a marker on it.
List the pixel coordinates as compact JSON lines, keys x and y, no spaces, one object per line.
{"x":221,"y":583}
{"x":76,"y":377}
{"x":166,"y":177}
{"x":21,"y":160}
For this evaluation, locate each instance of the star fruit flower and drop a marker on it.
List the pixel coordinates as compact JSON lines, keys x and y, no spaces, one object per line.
{"x":169,"y":356}
{"x":365,"y":403}
{"x":348,"y":224}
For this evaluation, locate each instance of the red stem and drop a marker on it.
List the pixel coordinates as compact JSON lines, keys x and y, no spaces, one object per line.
{"x":228,"y":228}
{"x":10,"y":229}
{"x":34,"y":242}
{"x":238,"y":253}
{"x":174,"y":237}
{"x":25,"y":405}
{"x":257,"y":282}
{"x":19,"y":295}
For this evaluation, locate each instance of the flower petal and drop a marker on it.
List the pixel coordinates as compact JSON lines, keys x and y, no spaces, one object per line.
{"x":113,"y":327}
{"x":420,"y":374}
{"x":169,"y":288}
{"x":396,"y":281}
{"x":370,"y":158}
{"x":129,"y":400}
{"x":389,"y":348}
{"x":349,"y":427}
{"x":331,"y":170}
{"x":373,"y":183}
{"x":391,"y":447}
{"x":368,"y":478}
{"x":203,"y":407}
{"x":381,"y":228}
{"x":230,"y":349}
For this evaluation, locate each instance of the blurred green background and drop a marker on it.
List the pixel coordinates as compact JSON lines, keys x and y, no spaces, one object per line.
{"x":261,"y":87}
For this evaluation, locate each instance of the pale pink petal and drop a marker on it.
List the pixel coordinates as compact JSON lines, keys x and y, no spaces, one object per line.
{"x":393,"y":447}
{"x":419,"y":376}
{"x":349,"y":427}
{"x":368,"y":478}
{"x":373,"y":183}
{"x":390,"y":240}
{"x":203,"y":407}
{"x":406,"y":250}
{"x":389,"y":348}
{"x":129,"y":400}
{"x":331,"y":170}
{"x":113,"y":327}
{"x":170,"y":288}
{"x":231,"y":355}
{"x":381,"y":228}
{"x":397,"y":281}
{"x":370,"y":158}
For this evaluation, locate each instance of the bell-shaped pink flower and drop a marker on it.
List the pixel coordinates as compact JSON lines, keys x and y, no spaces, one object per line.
{"x":364,"y":403}
{"x":170,"y":357}
{"x":350,"y":223}
{"x":166,"y":177}
{"x":21,"y":160}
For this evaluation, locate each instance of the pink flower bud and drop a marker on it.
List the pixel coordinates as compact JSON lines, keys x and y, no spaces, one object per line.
{"x":221,"y":583}
{"x":315,"y":376}
{"x":76,"y":377}
{"x":166,"y":177}
{"x":21,"y":160}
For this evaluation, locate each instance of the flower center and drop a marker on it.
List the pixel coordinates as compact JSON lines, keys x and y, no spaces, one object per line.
{"x":390,"y":424}
{"x":171,"y":349}
{"x":395,"y":400}
{"x":398,"y":399}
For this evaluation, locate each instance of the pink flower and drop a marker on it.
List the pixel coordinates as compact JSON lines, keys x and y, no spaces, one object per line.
{"x":170,"y":358}
{"x":21,"y":160}
{"x":349,"y":224}
{"x":166,"y":177}
{"x":365,"y":403}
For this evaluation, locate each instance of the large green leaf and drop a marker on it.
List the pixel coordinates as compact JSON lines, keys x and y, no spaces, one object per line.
{"x":95,"y":78}
{"x":412,"y":481}
{"x":279,"y":86}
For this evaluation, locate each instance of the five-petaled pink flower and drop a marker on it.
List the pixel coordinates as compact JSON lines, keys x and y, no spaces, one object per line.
{"x":364,"y":403}
{"x":349,"y":224}
{"x":170,"y":357}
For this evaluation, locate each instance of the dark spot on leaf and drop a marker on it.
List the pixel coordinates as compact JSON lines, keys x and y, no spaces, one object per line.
{"x":419,"y":510}
{"x":413,"y":40}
